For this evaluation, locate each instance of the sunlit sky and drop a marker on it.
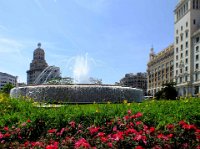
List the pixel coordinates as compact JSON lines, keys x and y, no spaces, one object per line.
{"x":116,"y":35}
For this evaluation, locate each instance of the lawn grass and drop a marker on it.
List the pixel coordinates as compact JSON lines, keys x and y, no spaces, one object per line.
{"x":155,"y":113}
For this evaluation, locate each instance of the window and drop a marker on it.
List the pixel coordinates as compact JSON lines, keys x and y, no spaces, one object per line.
{"x":193,"y":4}
{"x":197,"y":48}
{"x":181,"y":55}
{"x":176,"y":31}
{"x":181,"y":27}
{"x":176,"y":50}
{"x":186,"y":45}
{"x":181,"y":37}
{"x":186,"y":53}
{"x":194,"y":21}
{"x":196,"y":77}
{"x":186,"y":61}
{"x":181,"y":70}
{"x":197,"y":39}
{"x":180,"y":79}
{"x":186,"y":68}
{"x":176,"y":65}
{"x":176,"y":40}
{"x":186,"y":24}
{"x":197,"y":57}
{"x":186,"y":78}
{"x":181,"y":47}
{"x":176,"y":72}
{"x":197,"y":66}
{"x":186,"y":34}
{"x":176,"y":57}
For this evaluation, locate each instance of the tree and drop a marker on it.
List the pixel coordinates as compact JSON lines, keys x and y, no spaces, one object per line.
{"x":167,"y":92}
{"x":95,"y":80}
{"x":7,"y":87}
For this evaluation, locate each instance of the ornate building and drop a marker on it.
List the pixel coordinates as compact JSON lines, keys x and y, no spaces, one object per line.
{"x":138,"y":80}
{"x":160,"y":69}
{"x":37,"y":65}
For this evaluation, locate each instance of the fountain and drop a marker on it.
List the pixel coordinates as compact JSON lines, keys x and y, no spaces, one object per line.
{"x":78,"y":93}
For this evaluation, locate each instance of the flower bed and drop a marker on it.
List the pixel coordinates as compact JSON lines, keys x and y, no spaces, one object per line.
{"x":127,"y":132}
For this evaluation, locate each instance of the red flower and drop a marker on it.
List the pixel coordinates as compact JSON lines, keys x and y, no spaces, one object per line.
{"x":109,"y":144}
{"x":82,"y":143}
{"x":52,"y":131}
{"x":138,"y":123}
{"x":26,"y":144}
{"x":139,"y":114}
{"x":170,"y":126}
{"x":182,"y":122}
{"x":100,"y":134}
{"x":7,"y":135}
{"x":28,"y":121}
{"x":139,"y":147}
{"x":93,"y":130}
{"x":53,"y":146}
{"x":170,"y":135}
{"x":6,"y":128}
{"x":189,"y":127}
{"x":104,"y":139}
{"x":152,"y":129}
{"x":118,"y":136}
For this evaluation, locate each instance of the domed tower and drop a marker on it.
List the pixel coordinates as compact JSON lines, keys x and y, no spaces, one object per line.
{"x":37,"y":65}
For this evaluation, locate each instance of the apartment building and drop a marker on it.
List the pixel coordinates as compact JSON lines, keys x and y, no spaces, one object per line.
{"x":138,"y":80}
{"x":186,"y":47}
{"x":160,"y":69}
{"x":7,"y":78}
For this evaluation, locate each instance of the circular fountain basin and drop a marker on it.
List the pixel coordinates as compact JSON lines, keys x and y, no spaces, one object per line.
{"x":81,"y":93}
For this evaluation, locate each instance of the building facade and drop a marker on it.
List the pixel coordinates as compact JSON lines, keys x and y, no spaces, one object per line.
{"x":160,"y":69}
{"x":37,"y":65}
{"x":186,"y":47}
{"x":138,"y":80}
{"x":7,"y":78}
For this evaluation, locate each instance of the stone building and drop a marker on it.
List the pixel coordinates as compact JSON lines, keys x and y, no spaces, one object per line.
{"x":160,"y":69}
{"x":186,"y":47}
{"x":138,"y":80}
{"x":7,"y":78}
{"x":37,"y":65}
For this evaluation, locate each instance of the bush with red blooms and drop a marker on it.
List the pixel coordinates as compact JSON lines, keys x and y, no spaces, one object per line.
{"x":118,"y":133}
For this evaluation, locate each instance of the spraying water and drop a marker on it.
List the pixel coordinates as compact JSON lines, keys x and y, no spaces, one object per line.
{"x":81,"y":69}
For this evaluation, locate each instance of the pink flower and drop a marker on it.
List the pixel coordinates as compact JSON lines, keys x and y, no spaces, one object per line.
{"x":82,"y":143}
{"x":26,"y":144}
{"x":115,"y":128}
{"x":182,"y":122}
{"x":7,"y":135}
{"x":1,"y":135}
{"x":139,"y":114}
{"x":129,"y":112}
{"x":73,"y":124}
{"x":189,"y":127}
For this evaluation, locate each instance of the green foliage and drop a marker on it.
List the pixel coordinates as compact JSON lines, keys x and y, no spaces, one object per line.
{"x":167,"y":92}
{"x":156,"y":113}
{"x":7,"y":87}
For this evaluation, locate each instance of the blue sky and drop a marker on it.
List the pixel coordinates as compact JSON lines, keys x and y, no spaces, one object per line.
{"x":116,"y":35}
